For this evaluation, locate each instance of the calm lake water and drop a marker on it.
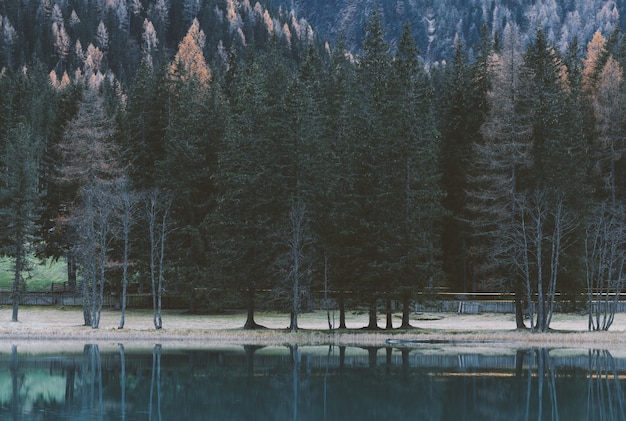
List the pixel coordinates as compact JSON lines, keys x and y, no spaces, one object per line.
{"x":312,"y":383}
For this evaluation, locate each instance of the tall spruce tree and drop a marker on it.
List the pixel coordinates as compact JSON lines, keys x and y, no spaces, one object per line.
{"x":251,"y":171}
{"x":333,"y":224}
{"x":194,"y":133}
{"x":548,"y":207}
{"x":412,"y":226}
{"x":20,"y":202}
{"x":461,"y":116}
{"x":372,"y":162}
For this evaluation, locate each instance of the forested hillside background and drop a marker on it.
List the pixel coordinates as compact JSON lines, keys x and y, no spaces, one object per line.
{"x":362,"y":149}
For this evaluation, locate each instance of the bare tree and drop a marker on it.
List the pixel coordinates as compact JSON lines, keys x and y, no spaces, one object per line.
{"x":294,"y":268}
{"x":539,"y":236}
{"x":128,"y":201}
{"x":605,"y":255}
{"x":89,"y":170}
{"x":298,"y":242}
{"x":158,"y":204}
{"x":103,"y":225}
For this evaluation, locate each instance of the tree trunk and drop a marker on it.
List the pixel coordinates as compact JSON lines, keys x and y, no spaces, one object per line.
{"x":250,"y":323}
{"x":389,"y":319}
{"x":373,"y":322}
{"x":86,"y":305}
{"x":406,"y":311}
{"x":127,"y":223}
{"x":71,"y":272}
{"x":519,"y":308}
{"x":15,"y":296}
{"x":342,"y":310}
{"x":17,"y":278}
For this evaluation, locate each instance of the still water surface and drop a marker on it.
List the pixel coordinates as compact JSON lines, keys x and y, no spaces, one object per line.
{"x":312,"y":383}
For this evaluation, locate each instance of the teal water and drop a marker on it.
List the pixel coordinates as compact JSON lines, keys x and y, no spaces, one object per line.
{"x":312,"y":383}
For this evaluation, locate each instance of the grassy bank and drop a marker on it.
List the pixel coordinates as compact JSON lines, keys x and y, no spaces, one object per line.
{"x":38,"y":278}
{"x":53,"y":325}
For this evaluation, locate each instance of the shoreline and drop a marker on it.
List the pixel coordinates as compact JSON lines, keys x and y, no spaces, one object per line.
{"x":41,"y":327}
{"x":414,"y":338}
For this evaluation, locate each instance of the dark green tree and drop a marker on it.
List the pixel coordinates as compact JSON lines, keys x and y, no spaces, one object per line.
{"x":549,"y":207}
{"x":461,"y":116}
{"x":413,"y":234}
{"x":20,"y":201}
{"x":251,"y":169}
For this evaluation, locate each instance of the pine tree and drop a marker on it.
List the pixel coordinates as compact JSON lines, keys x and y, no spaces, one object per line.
{"x":250,"y":173}
{"x":333,"y":224}
{"x":371,"y":158}
{"x":194,"y":134}
{"x":20,"y":202}
{"x":548,"y":206}
{"x":414,"y":236}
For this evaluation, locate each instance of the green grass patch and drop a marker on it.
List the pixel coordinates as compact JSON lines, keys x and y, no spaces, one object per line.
{"x":40,"y":276}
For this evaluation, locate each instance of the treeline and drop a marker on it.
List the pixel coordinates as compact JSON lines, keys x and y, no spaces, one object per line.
{"x":250,"y":156}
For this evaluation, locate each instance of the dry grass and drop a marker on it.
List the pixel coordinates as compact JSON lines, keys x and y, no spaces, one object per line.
{"x":45,"y":327}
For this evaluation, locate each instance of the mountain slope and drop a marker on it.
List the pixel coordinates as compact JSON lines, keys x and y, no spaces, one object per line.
{"x":437,"y":24}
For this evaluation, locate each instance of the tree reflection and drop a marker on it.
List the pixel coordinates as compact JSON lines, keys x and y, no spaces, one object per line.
{"x":15,"y":394}
{"x":546,"y":374}
{"x":91,"y":374}
{"x":123,"y":380}
{"x":605,"y":398}
{"x":301,"y":382}
{"x":295,"y":378}
{"x":250,"y":350}
{"x":155,"y":382}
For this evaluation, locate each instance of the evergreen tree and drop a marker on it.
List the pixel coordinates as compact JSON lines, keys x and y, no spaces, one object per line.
{"x":304,"y":182}
{"x":333,"y":224}
{"x":548,"y":206}
{"x":20,"y":202}
{"x":250,"y":177}
{"x":194,"y":135}
{"x":371,"y":156}
{"x":413,"y":232}
{"x":461,"y":117}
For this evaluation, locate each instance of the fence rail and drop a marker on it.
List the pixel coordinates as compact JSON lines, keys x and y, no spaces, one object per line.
{"x":451,"y":303}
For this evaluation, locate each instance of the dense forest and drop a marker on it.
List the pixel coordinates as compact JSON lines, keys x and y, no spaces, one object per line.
{"x":218,"y":149}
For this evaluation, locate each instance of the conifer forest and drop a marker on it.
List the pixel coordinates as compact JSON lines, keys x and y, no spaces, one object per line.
{"x":356,"y":153}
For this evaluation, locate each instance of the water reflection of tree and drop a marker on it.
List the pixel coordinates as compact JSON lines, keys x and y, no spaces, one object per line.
{"x":295,"y":378}
{"x":295,"y":382}
{"x":546,"y":375}
{"x":155,"y":383}
{"x":605,"y":398}
{"x":15,"y":381}
{"x":123,"y":380}
{"x":91,"y":373}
